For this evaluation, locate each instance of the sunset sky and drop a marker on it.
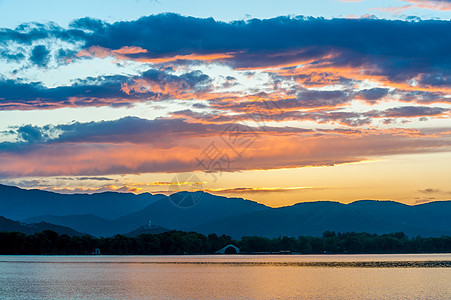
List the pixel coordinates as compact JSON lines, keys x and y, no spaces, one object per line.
{"x":274,"y":101}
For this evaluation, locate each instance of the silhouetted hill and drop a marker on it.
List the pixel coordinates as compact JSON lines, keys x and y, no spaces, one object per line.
{"x":19,"y":204}
{"x":313,"y":218}
{"x":10,"y":225}
{"x":206,"y":213}
{"x":162,"y":213}
{"x":85,"y":223}
{"x":209,"y":208}
{"x":147,"y":230}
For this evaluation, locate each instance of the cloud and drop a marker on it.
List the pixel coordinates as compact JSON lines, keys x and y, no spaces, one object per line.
{"x":429,"y":191}
{"x":405,"y":61}
{"x":443,"y":5}
{"x":89,"y":24}
{"x":40,"y":56}
{"x":409,"y":112}
{"x":286,"y":110}
{"x":337,"y":42}
{"x":316,"y":98}
{"x":324,"y":71}
{"x":165,"y":85}
{"x":395,"y":10}
{"x":132,"y":130}
{"x":89,"y":92}
{"x":374,"y":94}
{"x":424,"y":97}
{"x":397,"y":50}
{"x":85,"y":178}
{"x":260,"y":190}
{"x":440,"y":5}
{"x":424,"y":200}
{"x":431,"y":194}
{"x":91,"y":190}
{"x":433,"y":191}
{"x":114,"y":90}
{"x":133,"y":145}
{"x":30,"y":134}
{"x":414,"y":111}
{"x":137,"y":54}
{"x":167,"y":183}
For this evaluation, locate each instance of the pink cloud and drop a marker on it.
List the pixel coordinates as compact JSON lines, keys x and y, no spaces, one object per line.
{"x":181,"y":152}
{"x":394,"y":10}
{"x":442,"y":5}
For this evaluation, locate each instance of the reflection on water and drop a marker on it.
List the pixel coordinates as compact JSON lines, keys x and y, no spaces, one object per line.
{"x":256,"y":277}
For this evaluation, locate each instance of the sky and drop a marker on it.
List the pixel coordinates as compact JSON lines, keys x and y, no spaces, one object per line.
{"x":277,"y":102}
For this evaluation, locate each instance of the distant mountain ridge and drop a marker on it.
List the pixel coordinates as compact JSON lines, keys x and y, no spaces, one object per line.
{"x":162,"y":213}
{"x":235,"y":216}
{"x":147,"y":230}
{"x":313,"y":218}
{"x":20,"y":204}
{"x":96,"y":226}
{"x":10,"y":225}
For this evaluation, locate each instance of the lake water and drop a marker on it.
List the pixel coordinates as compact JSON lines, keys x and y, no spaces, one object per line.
{"x":227,"y":277}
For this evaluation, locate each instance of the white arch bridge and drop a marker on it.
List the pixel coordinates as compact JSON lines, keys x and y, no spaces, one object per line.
{"x":229,"y":249}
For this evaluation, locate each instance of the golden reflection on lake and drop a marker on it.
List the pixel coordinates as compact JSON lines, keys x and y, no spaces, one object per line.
{"x":225,"y":277}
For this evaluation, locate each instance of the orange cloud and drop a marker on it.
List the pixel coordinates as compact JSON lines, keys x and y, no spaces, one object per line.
{"x":175,"y":90}
{"x":166,"y":183}
{"x":252,"y":190}
{"x":130,"y":50}
{"x":125,"y":52}
{"x":394,"y":10}
{"x":331,"y":74}
{"x":88,"y":190}
{"x":201,"y":57}
{"x":182,"y":153}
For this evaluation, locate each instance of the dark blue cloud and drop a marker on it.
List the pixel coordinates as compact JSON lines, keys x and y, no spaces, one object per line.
{"x":414,"y":111}
{"x":343,"y":117}
{"x":90,"y":24}
{"x":194,"y":80}
{"x":400,"y":50}
{"x":28,"y":33}
{"x":25,"y":36}
{"x":97,"y":91}
{"x":40,"y":56}
{"x":300,"y":99}
{"x":30,"y":134}
{"x":20,"y":95}
{"x":436,"y":79}
{"x":423,"y":97}
{"x":125,"y":130}
{"x":11,"y":56}
{"x":315,"y":98}
{"x":373,"y":94}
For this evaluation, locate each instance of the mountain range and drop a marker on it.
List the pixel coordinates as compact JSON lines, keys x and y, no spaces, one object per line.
{"x":107,"y":214}
{"x":10,"y":225}
{"x":20,"y":204}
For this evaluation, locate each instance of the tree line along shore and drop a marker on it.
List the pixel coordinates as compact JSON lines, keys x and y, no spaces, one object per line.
{"x":179,"y":242}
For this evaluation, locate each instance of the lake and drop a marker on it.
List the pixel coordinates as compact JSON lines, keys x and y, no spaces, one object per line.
{"x":419,"y":276}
